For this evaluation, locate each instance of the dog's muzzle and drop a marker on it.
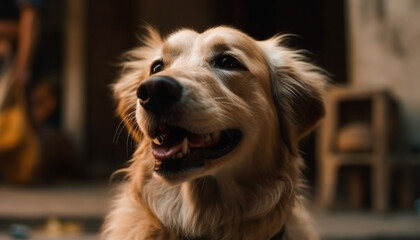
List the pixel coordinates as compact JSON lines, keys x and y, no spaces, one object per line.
{"x":175,"y":149}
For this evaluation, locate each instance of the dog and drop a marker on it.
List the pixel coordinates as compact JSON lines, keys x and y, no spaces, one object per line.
{"x":217,"y":117}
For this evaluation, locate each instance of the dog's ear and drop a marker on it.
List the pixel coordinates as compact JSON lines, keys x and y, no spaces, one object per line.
{"x":135,"y":67}
{"x":298,"y":88}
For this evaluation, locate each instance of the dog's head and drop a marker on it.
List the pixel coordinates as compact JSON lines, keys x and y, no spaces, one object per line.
{"x":201,"y":103}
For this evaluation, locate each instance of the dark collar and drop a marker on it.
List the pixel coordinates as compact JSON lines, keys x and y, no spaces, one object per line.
{"x":278,"y":236}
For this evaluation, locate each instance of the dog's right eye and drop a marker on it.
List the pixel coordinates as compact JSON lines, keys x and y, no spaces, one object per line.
{"x":227,"y":62}
{"x":156,"y":67}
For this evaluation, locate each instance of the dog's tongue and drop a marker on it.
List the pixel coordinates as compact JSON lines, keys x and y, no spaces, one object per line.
{"x":164,"y":152}
{"x":174,"y":141}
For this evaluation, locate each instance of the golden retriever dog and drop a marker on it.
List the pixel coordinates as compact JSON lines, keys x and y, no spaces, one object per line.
{"x":217,"y":117}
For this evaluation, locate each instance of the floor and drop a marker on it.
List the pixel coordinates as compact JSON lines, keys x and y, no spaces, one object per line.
{"x":75,"y":212}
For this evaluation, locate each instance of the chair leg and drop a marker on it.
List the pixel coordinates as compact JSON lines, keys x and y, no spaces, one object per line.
{"x":380,"y":188}
{"x":327,"y":185}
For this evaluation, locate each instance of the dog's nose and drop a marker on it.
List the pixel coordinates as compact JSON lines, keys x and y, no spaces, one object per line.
{"x":158,"y":93}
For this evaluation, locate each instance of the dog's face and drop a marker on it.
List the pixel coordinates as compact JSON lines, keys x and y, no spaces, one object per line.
{"x":205,"y":103}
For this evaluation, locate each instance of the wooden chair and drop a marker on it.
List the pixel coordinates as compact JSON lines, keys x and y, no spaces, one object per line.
{"x":375,"y":109}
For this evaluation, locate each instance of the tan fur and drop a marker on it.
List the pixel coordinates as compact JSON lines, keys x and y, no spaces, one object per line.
{"x":253,"y":191}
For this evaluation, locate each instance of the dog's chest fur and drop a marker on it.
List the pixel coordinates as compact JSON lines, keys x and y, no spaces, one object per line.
{"x":205,"y":208}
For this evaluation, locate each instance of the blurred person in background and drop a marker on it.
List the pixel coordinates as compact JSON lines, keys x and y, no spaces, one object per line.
{"x":19,"y":146}
{"x":32,"y":148}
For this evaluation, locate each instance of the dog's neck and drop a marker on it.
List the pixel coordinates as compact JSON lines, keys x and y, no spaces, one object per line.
{"x":214,"y":205}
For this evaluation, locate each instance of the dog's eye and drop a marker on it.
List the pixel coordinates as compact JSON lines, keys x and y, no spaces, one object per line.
{"x":156,"y":67}
{"x":227,"y":62}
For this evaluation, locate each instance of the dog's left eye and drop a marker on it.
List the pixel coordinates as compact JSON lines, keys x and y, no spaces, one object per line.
{"x":226,"y":62}
{"x":156,"y":67}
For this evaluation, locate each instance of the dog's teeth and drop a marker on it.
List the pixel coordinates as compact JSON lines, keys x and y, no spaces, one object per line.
{"x":185,"y":149}
{"x":157,"y":164}
{"x":158,"y":140}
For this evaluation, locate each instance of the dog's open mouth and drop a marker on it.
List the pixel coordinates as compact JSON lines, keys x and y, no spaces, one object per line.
{"x":177,"y":150}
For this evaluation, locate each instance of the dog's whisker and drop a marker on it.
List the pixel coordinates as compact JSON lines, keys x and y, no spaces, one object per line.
{"x":126,"y":144}
{"x":118,"y":131}
{"x":120,"y":127}
{"x":131,"y":142}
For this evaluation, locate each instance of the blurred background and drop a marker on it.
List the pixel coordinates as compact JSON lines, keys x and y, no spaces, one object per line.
{"x":60,"y":139}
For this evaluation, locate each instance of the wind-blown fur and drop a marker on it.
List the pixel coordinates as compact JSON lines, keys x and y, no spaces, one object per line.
{"x":253,"y":191}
